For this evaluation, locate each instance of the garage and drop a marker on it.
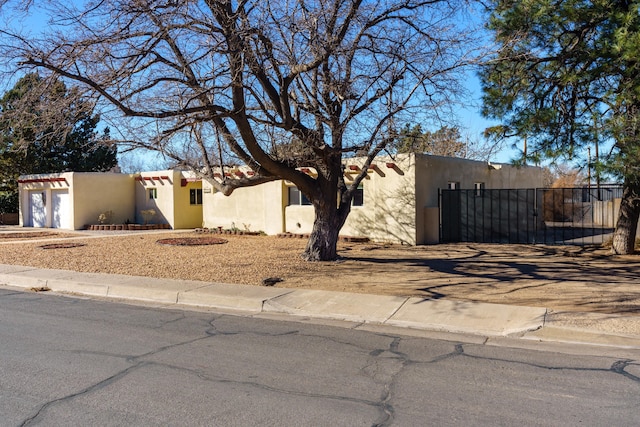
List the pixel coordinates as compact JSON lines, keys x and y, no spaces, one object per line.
{"x":60,"y":206}
{"x":73,"y":200}
{"x":58,"y":216}
{"x":37,"y":209}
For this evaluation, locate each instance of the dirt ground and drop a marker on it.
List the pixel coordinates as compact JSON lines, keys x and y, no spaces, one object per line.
{"x":565,"y":278}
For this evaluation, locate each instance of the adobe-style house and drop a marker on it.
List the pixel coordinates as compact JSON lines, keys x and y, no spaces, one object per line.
{"x":397,"y":202}
{"x":73,"y":200}
{"x":174,"y":195}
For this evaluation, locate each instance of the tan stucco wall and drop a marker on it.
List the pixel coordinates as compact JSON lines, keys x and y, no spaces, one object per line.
{"x":258,"y":208}
{"x":172,"y":205}
{"x":163,"y":182}
{"x":299,"y":219}
{"x":400,"y":198}
{"x":94,"y":193}
{"x":388,"y":213}
{"x":435,"y":172}
{"x":90,"y":194}
{"x":389,"y":209}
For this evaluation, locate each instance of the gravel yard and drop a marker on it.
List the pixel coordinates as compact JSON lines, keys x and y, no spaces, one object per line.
{"x":560,"y":278}
{"x":243,"y":259}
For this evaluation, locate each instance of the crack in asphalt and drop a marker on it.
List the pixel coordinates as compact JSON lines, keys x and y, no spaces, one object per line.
{"x":215,"y":331}
{"x":385,"y":404}
{"x":212,"y":331}
{"x":133,"y":359}
{"x":87,"y":390}
{"x":386,"y":376}
{"x":619,"y":367}
{"x":179,"y":316}
{"x":220,"y":380}
{"x":458,"y":350}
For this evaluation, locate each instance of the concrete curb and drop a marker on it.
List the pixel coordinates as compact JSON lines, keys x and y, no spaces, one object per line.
{"x":469,"y":317}
{"x":336,"y":305}
{"x":234,"y":297}
{"x":484,"y":319}
{"x":582,"y":336}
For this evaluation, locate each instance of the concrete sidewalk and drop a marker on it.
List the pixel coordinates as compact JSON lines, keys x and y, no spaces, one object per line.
{"x":489,"y":320}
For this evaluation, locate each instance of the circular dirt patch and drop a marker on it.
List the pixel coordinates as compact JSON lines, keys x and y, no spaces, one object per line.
{"x":192,"y":241}
{"x":61,"y":245}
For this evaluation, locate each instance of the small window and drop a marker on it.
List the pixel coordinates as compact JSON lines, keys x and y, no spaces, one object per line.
{"x":478,"y":187}
{"x":195,"y":196}
{"x":153,"y":193}
{"x":358,"y":197}
{"x":453,"y":185}
{"x":297,"y":198}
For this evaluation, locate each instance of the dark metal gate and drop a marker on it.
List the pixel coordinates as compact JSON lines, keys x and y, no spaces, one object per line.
{"x":580,"y":216}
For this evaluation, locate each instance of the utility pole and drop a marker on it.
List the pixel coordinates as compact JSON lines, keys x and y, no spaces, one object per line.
{"x":597,"y":169}
{"x":597,"y":160}
{"x":589,"y":170}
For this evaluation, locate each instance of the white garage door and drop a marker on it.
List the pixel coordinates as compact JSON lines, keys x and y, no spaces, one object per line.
{"x":61,"y":214}
{"x":38,"y":217}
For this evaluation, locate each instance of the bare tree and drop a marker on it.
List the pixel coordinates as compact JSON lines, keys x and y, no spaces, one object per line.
{"x":445,"y":141}
{"x":267,"y":83}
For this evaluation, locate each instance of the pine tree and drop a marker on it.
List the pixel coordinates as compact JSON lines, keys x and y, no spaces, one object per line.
{"x":46,"y":130}
{"x":568,"y":75}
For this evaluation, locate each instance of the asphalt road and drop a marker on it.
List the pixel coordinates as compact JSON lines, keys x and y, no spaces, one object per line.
{"x":67,"y":361}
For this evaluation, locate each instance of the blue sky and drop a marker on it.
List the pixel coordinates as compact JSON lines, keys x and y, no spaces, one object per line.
{"x":471,"y":123}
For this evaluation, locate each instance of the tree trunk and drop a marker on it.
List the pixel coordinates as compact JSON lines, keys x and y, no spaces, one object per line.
{"x":624,"y":237}
{"x":323,"y":242}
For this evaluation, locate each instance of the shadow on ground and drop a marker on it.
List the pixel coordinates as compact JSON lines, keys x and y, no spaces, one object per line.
{"x":562,"y":278}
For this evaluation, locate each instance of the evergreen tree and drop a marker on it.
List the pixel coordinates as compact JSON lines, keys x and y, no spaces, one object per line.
{"x":567,"y":76}
{"x":55,"y":133}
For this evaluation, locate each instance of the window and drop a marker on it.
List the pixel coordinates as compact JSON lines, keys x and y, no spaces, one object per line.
{"x":478,"y":186}
{"x":453,"y":185}
{"x":358,"y":197}
{"x":297,"y":198}
{"x":195,"y":196}
{"x":153,"y":193}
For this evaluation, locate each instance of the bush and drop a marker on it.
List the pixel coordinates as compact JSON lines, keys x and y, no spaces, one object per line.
{"x":105,"y":217}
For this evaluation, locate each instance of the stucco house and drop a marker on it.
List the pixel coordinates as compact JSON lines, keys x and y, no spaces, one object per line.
{"x":174,"y":195}
{"x":396,"y":202}
{"x":73,"y":200}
